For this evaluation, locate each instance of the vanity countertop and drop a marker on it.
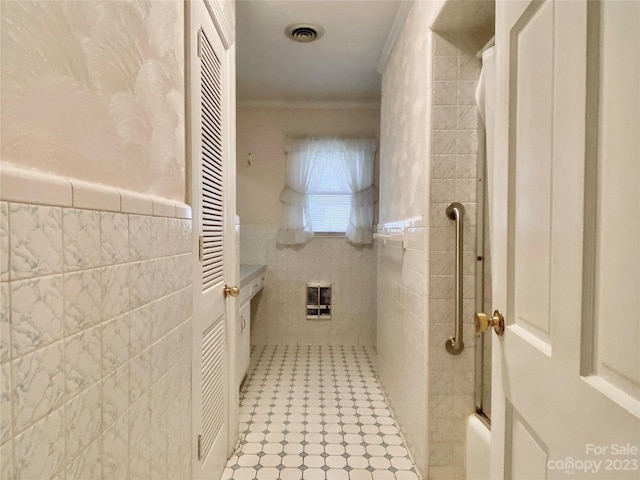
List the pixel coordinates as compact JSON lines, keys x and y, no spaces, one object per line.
{"x":249,"y":272}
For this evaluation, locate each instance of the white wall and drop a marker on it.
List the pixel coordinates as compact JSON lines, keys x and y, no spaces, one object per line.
{"x":279,"y":312}
{"x":95,"y":282}
{"x":404,"y":144}
{"x":261,"y":132}
{"x":95,"y":91}
{"x":404,"y":191}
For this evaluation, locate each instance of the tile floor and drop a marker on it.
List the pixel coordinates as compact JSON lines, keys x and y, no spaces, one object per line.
{"x":316,"y":412}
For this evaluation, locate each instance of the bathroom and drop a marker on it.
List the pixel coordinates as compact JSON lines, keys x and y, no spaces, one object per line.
{"x":134,"y":345}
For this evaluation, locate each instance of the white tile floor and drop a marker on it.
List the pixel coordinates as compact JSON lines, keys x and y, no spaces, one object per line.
{"x":316,"y":413}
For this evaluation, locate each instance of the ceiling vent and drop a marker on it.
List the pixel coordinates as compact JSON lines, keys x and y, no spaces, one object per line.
{"x":304,"y":32}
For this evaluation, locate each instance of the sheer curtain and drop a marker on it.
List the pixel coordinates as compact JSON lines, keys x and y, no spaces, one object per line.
{"x":307,"y":159}
{"x":357,"y":159}
{"x":296,"y":227}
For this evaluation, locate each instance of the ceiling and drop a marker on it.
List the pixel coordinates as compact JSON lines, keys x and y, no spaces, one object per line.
{"x":339,"y":67}
{"x":467,"y":24}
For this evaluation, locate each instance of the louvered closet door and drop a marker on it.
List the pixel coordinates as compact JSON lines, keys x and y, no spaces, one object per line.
{"x":209,"y":182}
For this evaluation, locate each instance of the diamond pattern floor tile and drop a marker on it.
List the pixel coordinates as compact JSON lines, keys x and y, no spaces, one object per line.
{"x":316,"y":412}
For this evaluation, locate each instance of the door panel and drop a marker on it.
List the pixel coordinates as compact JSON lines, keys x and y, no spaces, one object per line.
{"x":212,"y":386}
{"x":617,"y":291}
{"x":564,"y":382}
{"x":529,"y":454}
{"x":211,"y":190}
{"x":532,"y":63}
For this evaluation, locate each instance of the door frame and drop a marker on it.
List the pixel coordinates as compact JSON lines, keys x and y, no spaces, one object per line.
{"x":499,"y":214}
{"x":231,"y":258}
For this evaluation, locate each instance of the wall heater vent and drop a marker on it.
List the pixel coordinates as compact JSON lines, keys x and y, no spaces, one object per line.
{"x":318,"y":301}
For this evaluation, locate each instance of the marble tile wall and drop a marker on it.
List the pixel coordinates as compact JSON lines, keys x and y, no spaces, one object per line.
{"x":95,"y":344}
{"x":454,"y":144}
{"x":402,"y":328}
{"x":430,"y":391}
{"x":278,"y":312}
{"x":403,"y":339}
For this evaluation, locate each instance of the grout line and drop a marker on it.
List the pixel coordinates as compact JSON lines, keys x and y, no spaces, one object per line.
{"x":12,"y":423}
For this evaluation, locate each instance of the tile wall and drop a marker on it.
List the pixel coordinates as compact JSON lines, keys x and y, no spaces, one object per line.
{"x":403,"y":336}
{"x":95,"y":342}
{"x":402,"y":365}
{"x":430,"y":391}
{"x":278,"y":312}
{"x":454,"y":144}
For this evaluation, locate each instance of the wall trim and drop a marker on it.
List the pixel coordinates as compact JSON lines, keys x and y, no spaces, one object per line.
{"x":308,"y":105}
{"x":22,"y":185}
{"x":394,"y":33}
{"x":221,"y":22}
{"x":413,"y":222}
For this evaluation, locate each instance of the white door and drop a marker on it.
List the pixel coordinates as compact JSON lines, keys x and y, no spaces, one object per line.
{"x":566,"y":240}
{"x":213,"y":194}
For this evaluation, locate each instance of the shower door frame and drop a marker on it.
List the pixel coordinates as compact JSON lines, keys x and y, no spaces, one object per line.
{"x":479,"y":400}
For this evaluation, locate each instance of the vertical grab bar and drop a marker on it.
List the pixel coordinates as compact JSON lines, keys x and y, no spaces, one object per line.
{"x":455,"y":345}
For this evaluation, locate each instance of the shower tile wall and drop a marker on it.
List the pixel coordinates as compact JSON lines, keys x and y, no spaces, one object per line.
{"x":453,"y":178}
{"x":95,"y":345}
{"x":279,"y":312}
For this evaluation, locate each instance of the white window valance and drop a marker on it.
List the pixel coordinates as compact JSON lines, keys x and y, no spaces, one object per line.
{"x":352,"y":162}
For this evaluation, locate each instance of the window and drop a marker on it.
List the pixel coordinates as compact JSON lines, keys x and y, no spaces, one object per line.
{"x":329,"y":213}
{"x":329,"y":189}
{"x":329,"y":199}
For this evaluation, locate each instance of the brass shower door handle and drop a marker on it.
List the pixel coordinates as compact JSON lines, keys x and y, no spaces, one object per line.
{"x":483,"y":322}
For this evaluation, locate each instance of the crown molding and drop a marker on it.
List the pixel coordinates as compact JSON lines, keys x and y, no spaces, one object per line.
{"x":394,"y":33}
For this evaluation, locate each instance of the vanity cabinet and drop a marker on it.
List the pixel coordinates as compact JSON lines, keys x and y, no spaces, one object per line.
{"x":252,"y":280}
{"x":243,"y":347}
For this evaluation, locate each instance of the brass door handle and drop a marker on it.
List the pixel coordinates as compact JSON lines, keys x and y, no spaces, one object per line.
{"x":483,"y":322}
{"x":231,"y":291}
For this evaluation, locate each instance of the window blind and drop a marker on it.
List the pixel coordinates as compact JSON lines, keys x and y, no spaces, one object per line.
{"x":329,"y":199}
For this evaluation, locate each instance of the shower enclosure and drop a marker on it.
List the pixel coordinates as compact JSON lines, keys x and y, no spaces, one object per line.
{"x":459,"y":378}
